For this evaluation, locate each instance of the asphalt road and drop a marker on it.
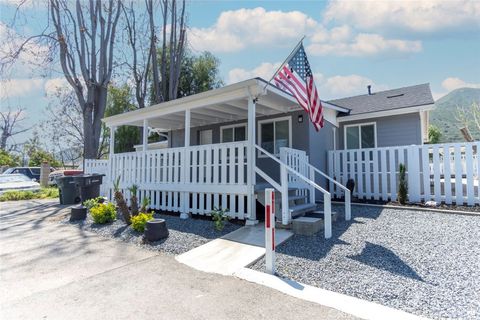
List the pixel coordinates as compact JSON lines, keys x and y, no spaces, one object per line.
{"x":50,"y":270}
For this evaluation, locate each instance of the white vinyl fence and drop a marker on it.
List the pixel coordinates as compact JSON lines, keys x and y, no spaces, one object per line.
{"x":100,"y":167}
{"x":442,"y":172}
{"x":195,"y":179}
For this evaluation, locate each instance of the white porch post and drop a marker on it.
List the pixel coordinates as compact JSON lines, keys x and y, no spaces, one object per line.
{"x":251,"y":163}
{"x":144,"y":150}
{"x":111,"y":170}
{"x":186,"y":167}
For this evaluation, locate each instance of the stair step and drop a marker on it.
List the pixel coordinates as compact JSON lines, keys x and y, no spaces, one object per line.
{"x":301,"y":209}
{"x":293,"y":198}
{"x":321,"y":213}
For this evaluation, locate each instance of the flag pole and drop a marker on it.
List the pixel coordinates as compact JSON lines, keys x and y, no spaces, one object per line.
{"x":285,"y":61}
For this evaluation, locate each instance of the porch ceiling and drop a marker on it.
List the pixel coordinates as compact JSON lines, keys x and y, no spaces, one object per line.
{"x":226,"y":104}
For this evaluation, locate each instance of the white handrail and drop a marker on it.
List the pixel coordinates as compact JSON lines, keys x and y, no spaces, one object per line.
{"x":348,"y":196}
{"x":295,"y":172}
{"x":284,"y":190}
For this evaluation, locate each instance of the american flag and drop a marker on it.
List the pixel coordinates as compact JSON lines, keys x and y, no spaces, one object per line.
{"x":296,"y":77}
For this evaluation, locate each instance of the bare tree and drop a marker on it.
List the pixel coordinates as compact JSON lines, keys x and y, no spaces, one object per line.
{"x":166,"y":79}
{"x":64,"y":124}
{"x":469,"y":118}
{"x":137,"y":25}
{"x":9,"y":125}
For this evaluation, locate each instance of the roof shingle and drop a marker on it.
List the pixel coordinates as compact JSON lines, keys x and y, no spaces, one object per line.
{"x":412,"y":96}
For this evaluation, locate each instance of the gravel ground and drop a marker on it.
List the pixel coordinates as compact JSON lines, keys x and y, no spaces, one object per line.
{"x":184,"y":235}
{"x":424,"y":263}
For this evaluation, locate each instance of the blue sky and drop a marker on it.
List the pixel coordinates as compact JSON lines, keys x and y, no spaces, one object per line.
{"x":350,"y":44}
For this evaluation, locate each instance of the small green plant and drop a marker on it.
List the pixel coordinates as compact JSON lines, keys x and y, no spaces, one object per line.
{"x":90,"y":203}
{"x":133,"y":199}
{"x":145,"y":204}
{"x":140,"y":221}
{"x":402,"y":185}
{"x":44,"y":193}
{"x":219,"y":217}
{"x":103,"y":213}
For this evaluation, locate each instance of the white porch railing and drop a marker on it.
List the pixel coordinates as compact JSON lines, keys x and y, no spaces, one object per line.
{"x":440,"y":172}
{"x":195,"y":179}
{"x":298,"y":160}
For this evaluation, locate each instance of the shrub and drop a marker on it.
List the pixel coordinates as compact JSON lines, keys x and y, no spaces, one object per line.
{"x":140,"y":221}
{"x":14,"y":195}
{"x":145,"y":204}
{"x":90,"y":203}
{"x":133,"y":199}
{"x":103,"y":213}
{"x":219,"y":217}
{"x":402,"y":185}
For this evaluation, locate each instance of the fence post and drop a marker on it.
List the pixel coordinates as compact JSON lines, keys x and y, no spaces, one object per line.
{"x":413,"y":171}
{"x":270,"y":230}
{"x":348,"y":205}
{"x":327,"y":202}
{"x":284,"y":184}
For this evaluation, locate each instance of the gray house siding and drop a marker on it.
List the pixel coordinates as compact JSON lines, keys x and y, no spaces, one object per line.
{"x":399,"y":130}
{"x":319,"y":144}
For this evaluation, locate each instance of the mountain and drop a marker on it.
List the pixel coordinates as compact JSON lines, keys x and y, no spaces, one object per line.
{"x":444,"y":116}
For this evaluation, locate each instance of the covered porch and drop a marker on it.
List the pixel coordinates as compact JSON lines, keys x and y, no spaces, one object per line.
{"x":198,"y":171}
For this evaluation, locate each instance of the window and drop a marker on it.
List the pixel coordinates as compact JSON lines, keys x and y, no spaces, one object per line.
{"x":275,"y":134}
{"x":205,"y":137}
{"x":360,"y":136}
{"x":233,"y":133}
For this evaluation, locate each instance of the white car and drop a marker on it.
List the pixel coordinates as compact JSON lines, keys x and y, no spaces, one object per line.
{"x":17,"y":182}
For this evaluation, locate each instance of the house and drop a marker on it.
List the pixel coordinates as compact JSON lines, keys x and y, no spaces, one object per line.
{"x":226,"y":145}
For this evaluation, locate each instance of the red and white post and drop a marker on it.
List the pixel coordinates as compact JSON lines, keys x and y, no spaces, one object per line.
{"x":270,"y":230}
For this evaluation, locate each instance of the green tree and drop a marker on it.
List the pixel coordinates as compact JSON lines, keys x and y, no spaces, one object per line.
{"x":119,"y":100}
{"x":198,"y":73}
{"x":37,"y":157}
{"x":8,"y":159}
{"x":434,"y":134}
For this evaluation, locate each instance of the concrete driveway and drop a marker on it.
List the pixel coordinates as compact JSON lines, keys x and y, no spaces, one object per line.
{"x":55,"y":271}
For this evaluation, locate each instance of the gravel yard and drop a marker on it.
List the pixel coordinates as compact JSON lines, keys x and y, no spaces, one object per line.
{"x":420,"y":262}
{"x":184,"y":235}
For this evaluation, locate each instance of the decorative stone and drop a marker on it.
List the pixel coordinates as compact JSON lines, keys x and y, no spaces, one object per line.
{"x":155,"y":230}
{"x":307,"y":226}
{"x":78,"y":213}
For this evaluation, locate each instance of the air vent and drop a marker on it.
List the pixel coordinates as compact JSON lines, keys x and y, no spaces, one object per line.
{"x":394,"y":96}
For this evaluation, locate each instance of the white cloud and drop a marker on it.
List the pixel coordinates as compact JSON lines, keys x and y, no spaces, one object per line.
{"x":31,"y":55}
{"x":453,"y":83}
{"x":240,"y":29}
{"x":344,"y":86}
{"x":53,"y":86}
{"x":424,"y":16}
{"x":18,"y":87}
{"x":264,"y":70}
{"x":334,"y":87}
{"x":341,"y":42}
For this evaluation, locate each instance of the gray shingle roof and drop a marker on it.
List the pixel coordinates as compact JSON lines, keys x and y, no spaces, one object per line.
{"x":412,"y":96}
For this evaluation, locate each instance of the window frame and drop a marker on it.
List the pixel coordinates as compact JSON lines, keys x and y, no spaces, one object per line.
{"x":259,"y":134}
{"x":359,"y":125}
{"x":233,"y":126}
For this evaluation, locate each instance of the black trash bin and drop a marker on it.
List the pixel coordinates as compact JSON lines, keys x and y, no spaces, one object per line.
{"x":68,"y":192}
{"x":88,"y":185}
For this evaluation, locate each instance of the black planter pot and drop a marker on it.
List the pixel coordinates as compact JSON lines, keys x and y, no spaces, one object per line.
{"x":155,"y":230}
{"x":78,"y":213}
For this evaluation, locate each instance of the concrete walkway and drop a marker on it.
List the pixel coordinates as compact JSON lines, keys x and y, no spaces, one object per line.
{"x":54,"y":271}
{"x":233,"y":251}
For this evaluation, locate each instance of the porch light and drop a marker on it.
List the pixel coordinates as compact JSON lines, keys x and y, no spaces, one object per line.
{"x":300,"y":118}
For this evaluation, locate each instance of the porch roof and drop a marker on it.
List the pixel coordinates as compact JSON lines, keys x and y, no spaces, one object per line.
{"x":226,"y":104}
